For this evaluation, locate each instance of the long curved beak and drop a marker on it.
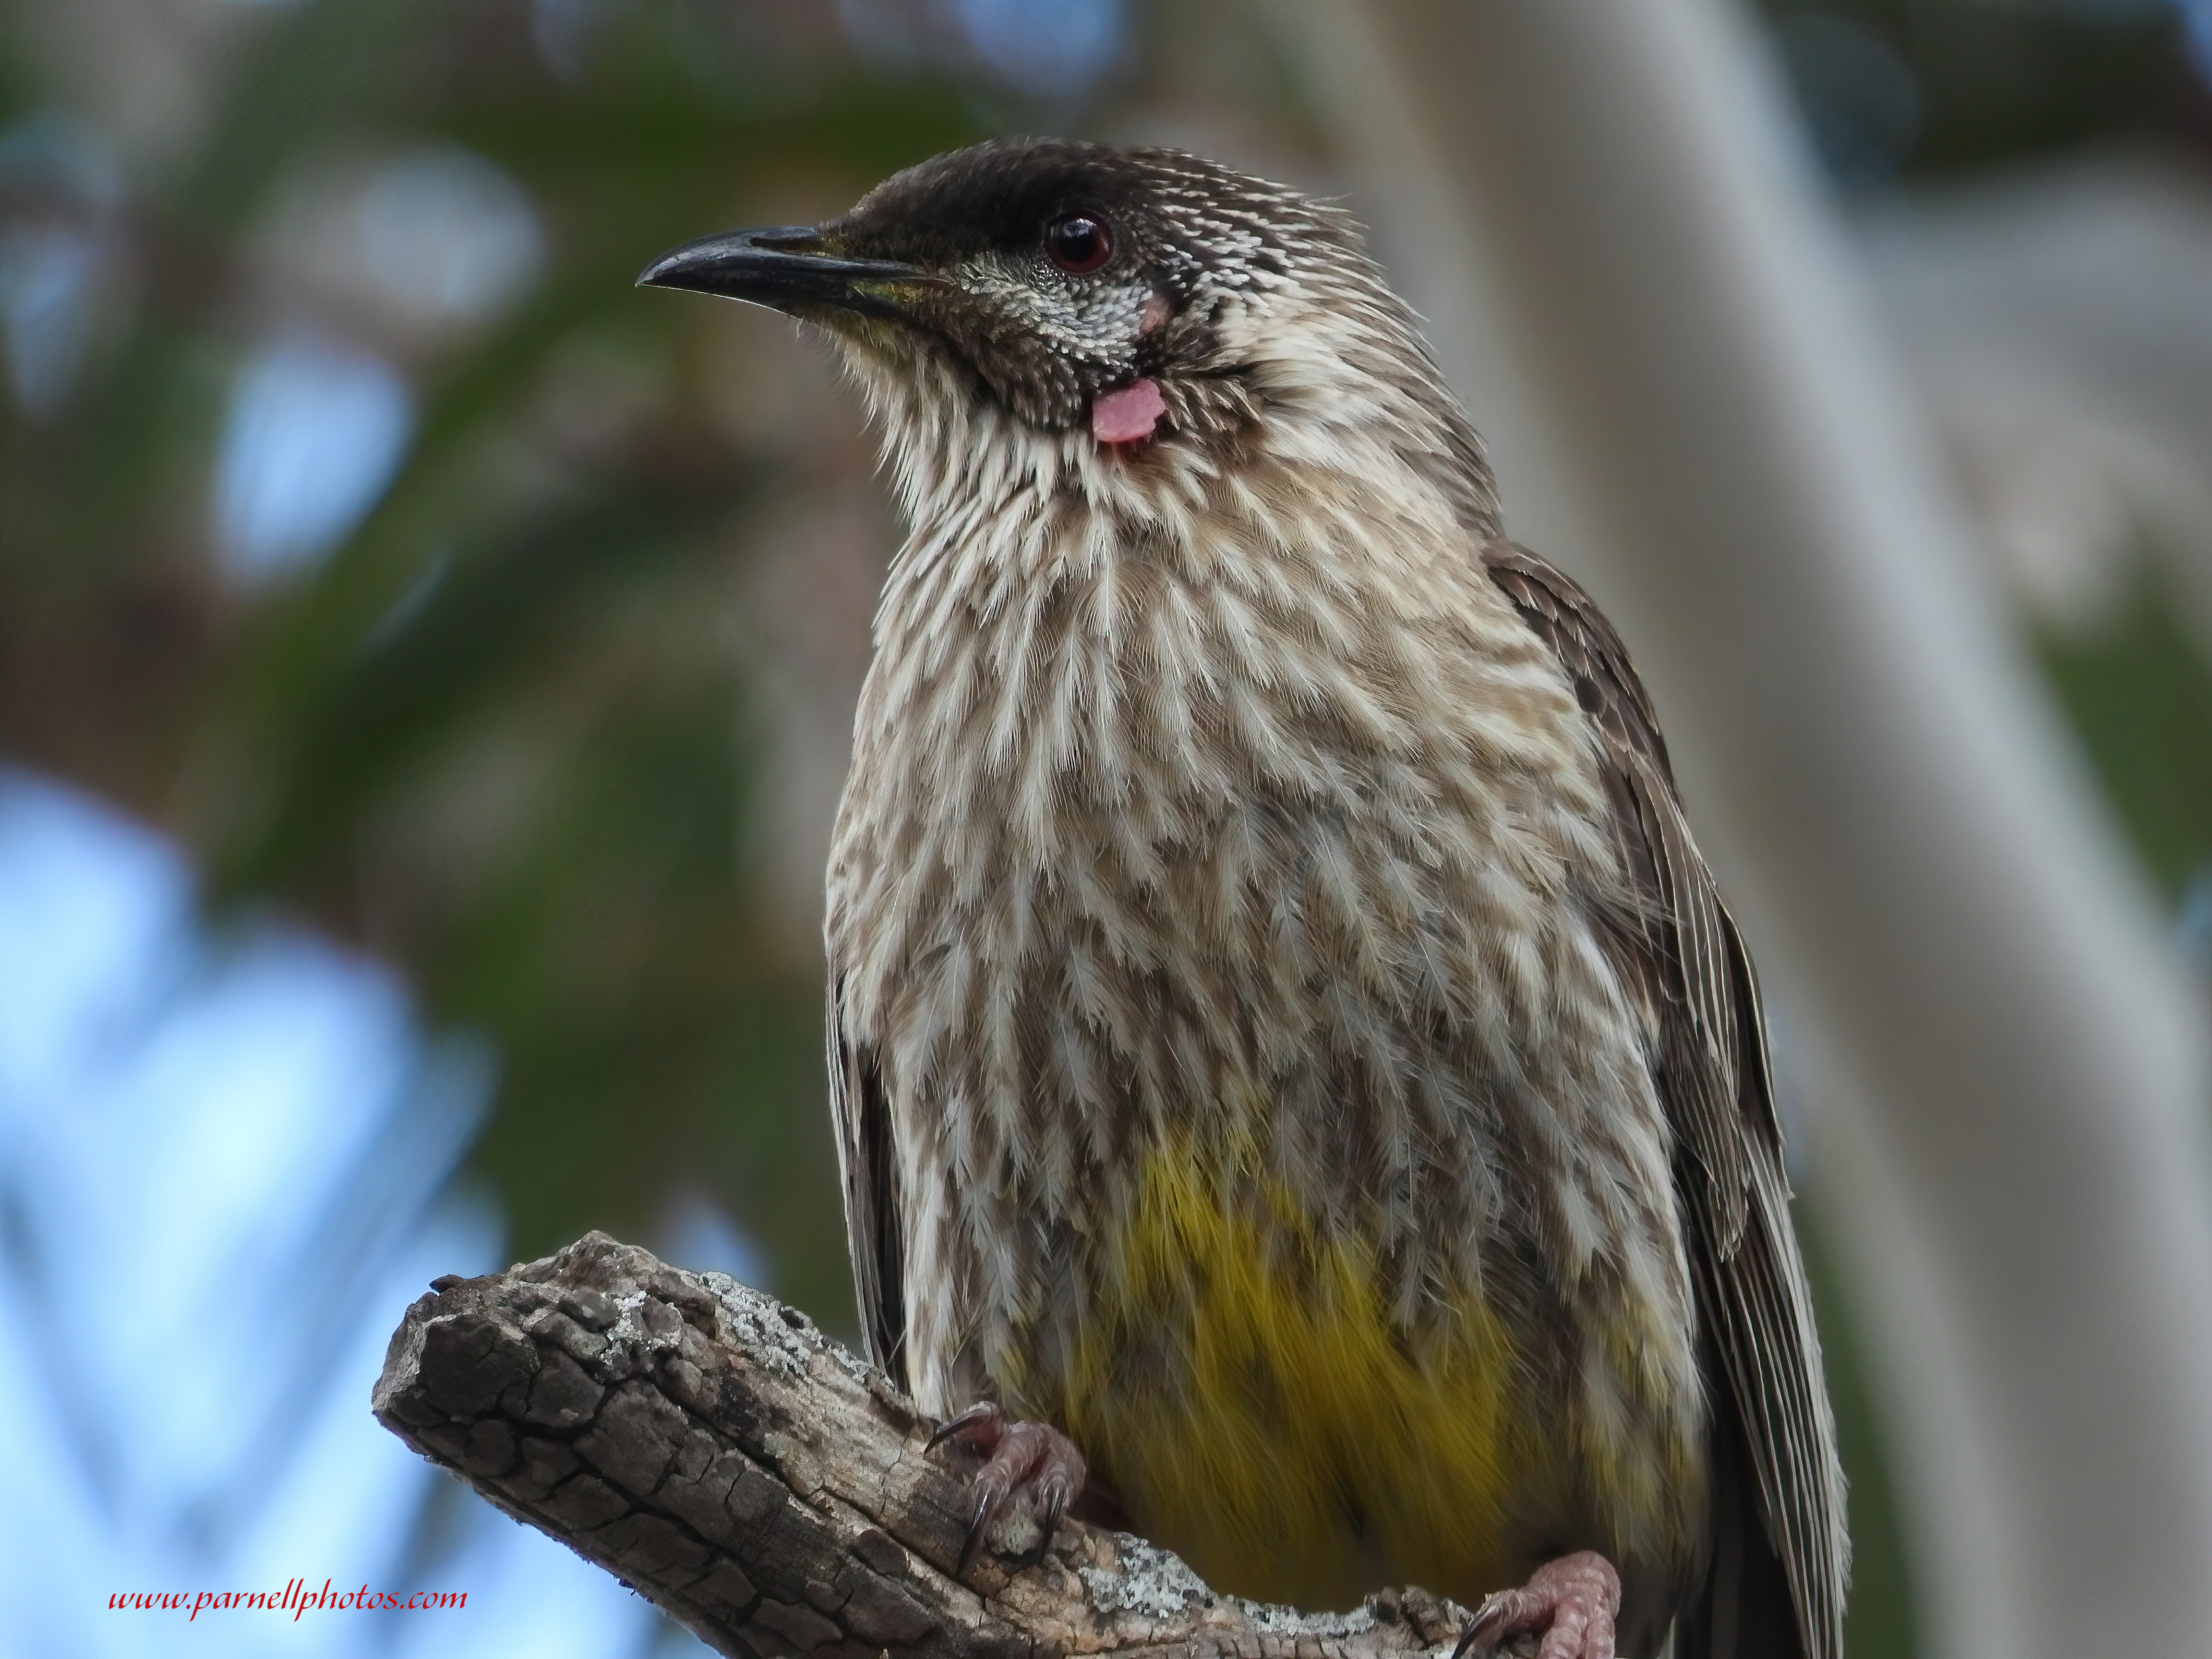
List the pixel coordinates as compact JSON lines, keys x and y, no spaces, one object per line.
{"x":786,"y":268}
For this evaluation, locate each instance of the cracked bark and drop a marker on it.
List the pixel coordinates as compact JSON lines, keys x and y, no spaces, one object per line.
{"x":769,"y":1490}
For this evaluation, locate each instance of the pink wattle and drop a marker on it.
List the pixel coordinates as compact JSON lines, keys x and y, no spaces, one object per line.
{"x":1124,"y":416}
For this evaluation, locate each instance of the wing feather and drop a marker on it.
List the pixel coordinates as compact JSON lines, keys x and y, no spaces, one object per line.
{"x":1782,"y":1580}
{"x":870,"y":1174}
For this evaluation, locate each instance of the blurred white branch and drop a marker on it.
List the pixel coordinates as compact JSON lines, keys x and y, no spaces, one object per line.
{"x":2016,"y":1138}
{"x":2058,"y":324}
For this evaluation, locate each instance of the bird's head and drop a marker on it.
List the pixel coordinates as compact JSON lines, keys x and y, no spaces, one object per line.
{"x":1121,"y":303}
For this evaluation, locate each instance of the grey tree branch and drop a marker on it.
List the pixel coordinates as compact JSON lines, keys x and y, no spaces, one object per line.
{"x":769,"y":1489}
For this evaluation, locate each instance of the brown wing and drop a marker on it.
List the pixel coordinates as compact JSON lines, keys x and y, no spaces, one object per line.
{"x":1775,"y":1587}
{"x":872,"y":1212}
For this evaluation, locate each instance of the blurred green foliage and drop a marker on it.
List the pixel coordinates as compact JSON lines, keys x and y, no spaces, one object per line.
{"x":2138,"y":688}
{"x":1879,"y":1620}
{"x":1994,"y":82}
{"x":526,"y":609}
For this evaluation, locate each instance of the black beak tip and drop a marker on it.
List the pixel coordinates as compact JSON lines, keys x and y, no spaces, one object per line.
{"x":785,"y":267}
{"x":684,"y":267}
{"x":653,"y":275}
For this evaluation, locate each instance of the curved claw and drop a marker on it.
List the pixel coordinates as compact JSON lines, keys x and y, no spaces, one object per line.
{"x":1018,"y":1456}
{"x":1052,"y":1500}
{"x":989,"y":1497}
{"x":1483,"y":1631}
{"x":984,"y":1413}
{"x":1570,"y":1602}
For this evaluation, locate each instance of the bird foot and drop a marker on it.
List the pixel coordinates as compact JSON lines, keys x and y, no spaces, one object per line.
{"x":1571,"y":1603}
{"x":1030,"y":1458}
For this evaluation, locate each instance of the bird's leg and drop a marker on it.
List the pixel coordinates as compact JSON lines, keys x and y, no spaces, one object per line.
{"x":1571,"y":1604}
{"x":1017,"y":1456}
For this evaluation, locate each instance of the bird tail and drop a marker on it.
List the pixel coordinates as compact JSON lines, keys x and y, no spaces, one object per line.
{"x":1744,"y":1610}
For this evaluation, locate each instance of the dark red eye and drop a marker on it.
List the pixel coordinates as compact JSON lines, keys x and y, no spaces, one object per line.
{"x":1079,"y":244}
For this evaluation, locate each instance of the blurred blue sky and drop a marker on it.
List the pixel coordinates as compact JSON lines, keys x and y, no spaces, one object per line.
{"x":316,"y":429}
{"x":1051,"y":49}
{"x":48,"y":273}
{"x":225,"y":1170}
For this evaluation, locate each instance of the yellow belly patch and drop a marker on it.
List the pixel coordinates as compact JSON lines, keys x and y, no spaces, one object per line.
{"x":1244,"y":1390}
